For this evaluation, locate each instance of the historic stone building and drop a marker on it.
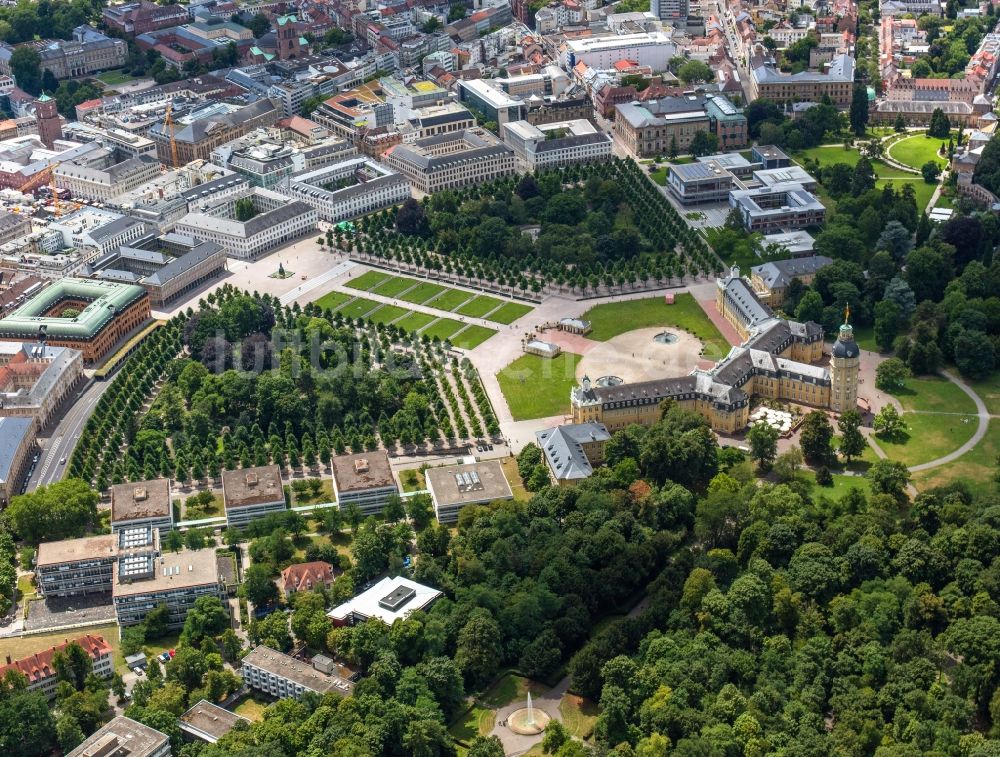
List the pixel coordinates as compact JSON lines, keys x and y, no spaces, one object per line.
{"x":778,"y":360}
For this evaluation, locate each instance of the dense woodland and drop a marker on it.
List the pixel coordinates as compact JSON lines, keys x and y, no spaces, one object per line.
{"x":776,"y":620}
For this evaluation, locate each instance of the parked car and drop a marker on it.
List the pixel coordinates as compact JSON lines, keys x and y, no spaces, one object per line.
{"x":164,"y":657}
{"x":137,"y":670}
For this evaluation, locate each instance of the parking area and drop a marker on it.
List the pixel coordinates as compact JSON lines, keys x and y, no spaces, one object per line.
{"x":56,"y":612}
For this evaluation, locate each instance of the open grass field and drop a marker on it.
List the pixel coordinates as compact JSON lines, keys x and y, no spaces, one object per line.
{"x":389,"y":313}
{"x":976,"y":468}
{"x":113,"y":78}
{"x":449,"y":300}
{"x":989,"y":392}
{"x":614,"y":318}
{"x":660,"y":176}
{"x":578,"y":715}
{"x":916,"y":150}
{"x":359,"y":308}
{"x":928,"y":437}
{"x":510,"y":312}
{"x":442,"y":328}
{"x":393,"y":286}
{"x":479,"y":306}
{"x":934,"y":394}
{"x":842,"y":484}
{"x":537,"y":387}
{"x":415,"y":321}
{"x":478,"y":721}
{"x":368,"y":280}
{"x":422,"y":292}
{"x":333,"y":300}
{"x":511,"y":688}
{"x":837,"y":154}
{"x":472,"y":336}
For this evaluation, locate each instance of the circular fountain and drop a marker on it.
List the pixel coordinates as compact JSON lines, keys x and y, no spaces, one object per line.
{"x":527,"y":721}
{"x":665,"y":337}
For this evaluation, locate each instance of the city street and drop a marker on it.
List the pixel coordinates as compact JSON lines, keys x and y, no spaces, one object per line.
{"x":62,"y":440}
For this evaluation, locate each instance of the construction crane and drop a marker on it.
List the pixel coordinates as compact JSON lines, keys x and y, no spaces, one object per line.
{"x":168,"y":121}
{"x":54,"y":189}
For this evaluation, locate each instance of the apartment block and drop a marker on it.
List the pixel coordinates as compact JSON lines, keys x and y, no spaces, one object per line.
{"x":280,"y":675}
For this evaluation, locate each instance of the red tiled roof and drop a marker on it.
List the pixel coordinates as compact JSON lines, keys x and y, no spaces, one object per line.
{"x":38,"y":666}
{"x":307,"y":575}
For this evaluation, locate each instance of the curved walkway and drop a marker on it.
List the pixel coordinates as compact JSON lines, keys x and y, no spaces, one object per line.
{"x":984,"y":420}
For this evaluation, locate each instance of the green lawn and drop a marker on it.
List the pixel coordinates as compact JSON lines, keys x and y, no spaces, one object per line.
{"x":944,"y":420}
{"x":442,"y":328}
{"x":479,"y":306}
{"x":388,"y":314}
{"x":934,"y":394}
{"x":864,"y":336}
{"x":368,"y":280}
{"x":841,"y":486}
{"x":916,"y":150}
{"x":614,"y":318}
{"x":422,"y":292}
{"x":472,"y":336}
{"x":511,"y":688}
{"x":510,"y":312}
{"x":333,"y":300}
{"x":414,"y":321}
{"x":360,"y":308}
{"x":478,"y":721}
{"x":537,"y":387}
{"x":112,"y":78}
{"x":578,"y":715}
{"x":394,"y":286}
{"x":989,"y":391}
{"x":513,"y":475}
{"x":417,"y":477}
{"x":886,"y":174}
{"x":449,"y":300}
{"x":976,"y":468}
{"x":928,"y":437}
{"x":252,"y":707}
{"x":660,"y":176}
{"x":161,"y":645}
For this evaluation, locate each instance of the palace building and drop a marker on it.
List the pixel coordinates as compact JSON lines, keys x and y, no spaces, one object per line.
{"x":779,"y":359}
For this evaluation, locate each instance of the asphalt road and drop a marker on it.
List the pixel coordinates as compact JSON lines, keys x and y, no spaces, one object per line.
{"x":65,"y":435}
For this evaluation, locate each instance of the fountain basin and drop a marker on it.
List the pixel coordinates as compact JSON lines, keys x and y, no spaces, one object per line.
{"x":665,"y":337}
{"x":527,"y":722}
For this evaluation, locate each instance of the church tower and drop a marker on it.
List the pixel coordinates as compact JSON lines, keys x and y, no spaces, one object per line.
{"x":49,"y":125}
{"x":845,"y":363}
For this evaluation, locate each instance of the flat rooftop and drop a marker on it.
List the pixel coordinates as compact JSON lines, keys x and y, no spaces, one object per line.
{"x":475,"y":482}
{"x":75,"y":550}
{"x":252,"y":486}
{"x":172,"y":571}
{"x":361,"y":472}
{"x":388,"y":600}
{"x":208,"y":721}
{"x":302,"y":673}
{"x":120,"y":738}
{"x":142,"y":499}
